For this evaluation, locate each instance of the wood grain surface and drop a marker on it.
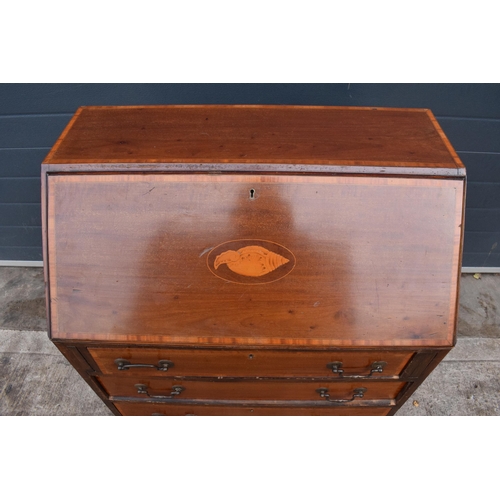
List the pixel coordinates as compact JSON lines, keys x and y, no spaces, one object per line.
{"x":145,"y":409}
{"x":248,"y":363}
{"x":250,"y":246}
{"x":254,"y":134}
{"x":377,"y":259}
{"x":244,"y":390}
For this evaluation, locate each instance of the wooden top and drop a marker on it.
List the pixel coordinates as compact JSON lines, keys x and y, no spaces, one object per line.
{"x":325,"y":138}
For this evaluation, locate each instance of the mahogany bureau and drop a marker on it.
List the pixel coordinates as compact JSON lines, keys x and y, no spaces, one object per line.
{"x":252,"y":260}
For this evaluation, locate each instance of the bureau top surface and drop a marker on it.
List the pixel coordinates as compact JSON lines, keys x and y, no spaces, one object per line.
{"x":275,"y":135}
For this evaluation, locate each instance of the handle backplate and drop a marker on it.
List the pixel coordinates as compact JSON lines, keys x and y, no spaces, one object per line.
{"x":162,"y":366}
{"x":336,"y":367}
{"x":175,"y":391}
{"x":357,"y":393}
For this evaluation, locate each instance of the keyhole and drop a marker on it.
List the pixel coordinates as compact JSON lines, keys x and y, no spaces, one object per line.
{"x":252,"y":194}
{"x":250,"y":356}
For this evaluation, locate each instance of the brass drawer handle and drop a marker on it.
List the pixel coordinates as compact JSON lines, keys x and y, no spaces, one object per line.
{"x":163,"y":365}
{"x":336,"y":367}
{"x":358,"y":393}
{"x":143,"y":389}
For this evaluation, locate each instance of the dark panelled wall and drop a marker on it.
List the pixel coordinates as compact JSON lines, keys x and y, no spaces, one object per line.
{"x":32,"y":117}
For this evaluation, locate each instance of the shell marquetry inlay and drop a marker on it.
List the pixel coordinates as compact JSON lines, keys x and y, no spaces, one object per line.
{"x":250,"y":261}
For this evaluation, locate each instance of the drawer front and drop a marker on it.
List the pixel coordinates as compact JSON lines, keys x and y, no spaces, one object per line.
{"x":145,"y":409}
{"x":258,"y":390}
{"x":249,"y":363}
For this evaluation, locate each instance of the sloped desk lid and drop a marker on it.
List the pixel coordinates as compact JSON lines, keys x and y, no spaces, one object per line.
{"x":269,"y":260}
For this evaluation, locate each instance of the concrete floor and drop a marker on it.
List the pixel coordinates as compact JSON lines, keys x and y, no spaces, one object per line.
{"x":35,"y":379}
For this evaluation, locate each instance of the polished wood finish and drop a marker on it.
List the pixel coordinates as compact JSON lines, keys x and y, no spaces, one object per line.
{"x":146,"y":409}
{"x":254,"y":134}
{"x":129,"y":252}
{"x":255,"y":390}
{"x":251,"y":246}
{"x":248,"y":363}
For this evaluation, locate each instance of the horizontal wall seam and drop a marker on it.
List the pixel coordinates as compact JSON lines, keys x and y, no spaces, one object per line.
{"x":478,"y":152}
{"x":468,"y":118}
{"x":10,"y":247}
{"x":47,"y":148}
{"x":39,"y":226}
{"x":35,"y":115}
{"x":470,"y":183}
{"x":492,"y":231}
{"x":5,"y":246}
{"x":476,"y":253}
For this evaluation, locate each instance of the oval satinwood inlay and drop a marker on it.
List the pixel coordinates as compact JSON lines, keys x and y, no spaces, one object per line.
{"x":250,"y":262}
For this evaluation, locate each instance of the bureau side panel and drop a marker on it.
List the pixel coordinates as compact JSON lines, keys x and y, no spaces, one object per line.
{"x":254,"y":259}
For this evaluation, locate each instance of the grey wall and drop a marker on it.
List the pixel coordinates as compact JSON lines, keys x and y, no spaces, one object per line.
{"x":33,"y":115}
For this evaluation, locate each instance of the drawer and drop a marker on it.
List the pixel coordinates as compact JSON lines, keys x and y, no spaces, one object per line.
{"x":144,"y":409}
{"x":255,"y":390}
{"x":249,"y":363}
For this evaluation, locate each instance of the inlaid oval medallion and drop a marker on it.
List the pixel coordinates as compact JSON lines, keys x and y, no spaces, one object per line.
{"x":250,"y":262}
